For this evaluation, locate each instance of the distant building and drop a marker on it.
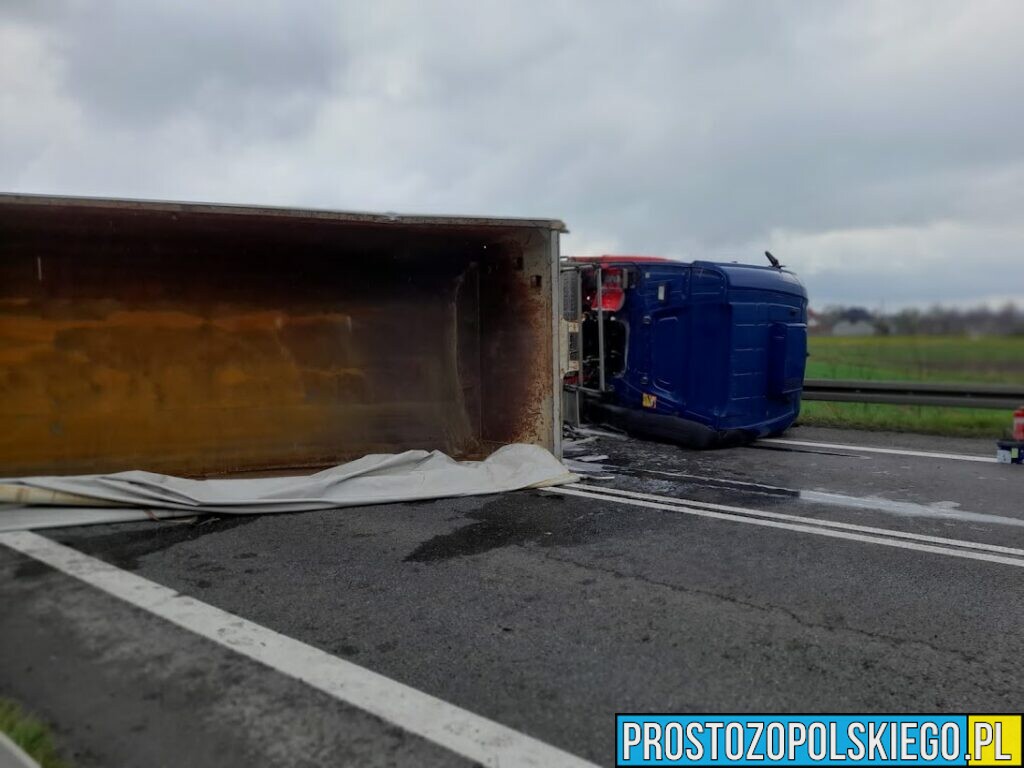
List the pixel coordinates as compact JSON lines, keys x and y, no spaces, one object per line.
{"x":854,"y":328}
{"x":817,"y":324}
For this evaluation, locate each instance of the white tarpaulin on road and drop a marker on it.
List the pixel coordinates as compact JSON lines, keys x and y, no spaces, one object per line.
{"x":47,"y":502}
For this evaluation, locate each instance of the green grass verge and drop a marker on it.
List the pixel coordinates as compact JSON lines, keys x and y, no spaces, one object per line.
{"x":927,"y":420}
{"x":30,"y":734}
{"x":992,"y":360}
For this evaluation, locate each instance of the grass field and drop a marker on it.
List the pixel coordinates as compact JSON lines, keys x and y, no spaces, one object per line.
{"x":994,"y":360}
{"x":30,"y":734}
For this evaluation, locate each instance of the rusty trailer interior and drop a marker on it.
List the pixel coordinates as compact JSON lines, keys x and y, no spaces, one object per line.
{"x":204,"y":339}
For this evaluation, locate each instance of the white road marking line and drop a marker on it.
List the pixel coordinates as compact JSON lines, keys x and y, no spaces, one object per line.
{"x":967,"y":554}
{"x":807,"y":520}
{"x":873,"y":449}
{"x":905,"y":509}
{"x":447,"y":725}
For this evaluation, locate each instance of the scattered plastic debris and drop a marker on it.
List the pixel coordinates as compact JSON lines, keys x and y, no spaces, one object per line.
{"x":596,"y":432}
{"x":573,"y":446}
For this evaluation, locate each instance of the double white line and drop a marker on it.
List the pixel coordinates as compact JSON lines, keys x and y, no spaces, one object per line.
{"x":969,"y":550}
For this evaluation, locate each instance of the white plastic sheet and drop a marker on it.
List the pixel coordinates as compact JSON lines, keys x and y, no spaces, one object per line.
{"x":46,"y":502}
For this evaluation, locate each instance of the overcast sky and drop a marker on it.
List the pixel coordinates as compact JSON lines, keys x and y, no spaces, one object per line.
{"x":876,"y":148}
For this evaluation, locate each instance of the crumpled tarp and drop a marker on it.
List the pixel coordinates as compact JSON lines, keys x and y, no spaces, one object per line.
{"x":47,"y":502}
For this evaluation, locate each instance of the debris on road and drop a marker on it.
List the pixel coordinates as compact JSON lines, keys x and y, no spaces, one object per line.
{"x":1010,"y":451}
{"x":373,"y":479}
{"x":595,"y":432}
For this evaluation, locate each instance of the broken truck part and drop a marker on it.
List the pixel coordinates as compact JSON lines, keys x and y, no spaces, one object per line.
{"x":204,"y":339}
{"x":702,"y":354}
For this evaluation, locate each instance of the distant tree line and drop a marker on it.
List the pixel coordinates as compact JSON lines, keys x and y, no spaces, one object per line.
{"x":1007,"y":320}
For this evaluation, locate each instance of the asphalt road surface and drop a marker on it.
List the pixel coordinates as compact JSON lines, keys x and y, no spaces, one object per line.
{"x":807,"y":575}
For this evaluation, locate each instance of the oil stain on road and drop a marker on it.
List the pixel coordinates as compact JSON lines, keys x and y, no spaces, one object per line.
{"x":519,"y":519}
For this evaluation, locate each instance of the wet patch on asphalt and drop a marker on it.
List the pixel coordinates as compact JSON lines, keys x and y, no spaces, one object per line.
{"x":124,"y":548}
{"x":506,"y":521}
{"x":784,"y":449}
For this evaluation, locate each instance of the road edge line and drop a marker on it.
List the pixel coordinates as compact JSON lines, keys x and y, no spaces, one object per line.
{"x":467,"y":734}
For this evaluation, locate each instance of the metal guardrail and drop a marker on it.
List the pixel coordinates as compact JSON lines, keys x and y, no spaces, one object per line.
{"x":993,"y":396}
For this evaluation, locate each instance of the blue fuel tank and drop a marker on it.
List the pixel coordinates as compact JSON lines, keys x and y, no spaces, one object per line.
{"x":701,"y":353}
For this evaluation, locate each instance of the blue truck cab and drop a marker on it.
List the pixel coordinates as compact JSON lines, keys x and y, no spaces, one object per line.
{"x":699,"y":353}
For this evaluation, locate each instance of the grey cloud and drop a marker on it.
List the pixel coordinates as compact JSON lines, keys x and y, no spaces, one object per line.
{"x":253,"y":69}
{"x":695,"y":129}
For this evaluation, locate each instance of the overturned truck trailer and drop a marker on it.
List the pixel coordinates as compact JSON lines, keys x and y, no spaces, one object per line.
{"x":205,"y":339}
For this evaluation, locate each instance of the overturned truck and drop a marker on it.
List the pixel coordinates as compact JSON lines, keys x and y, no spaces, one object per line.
{"x":206,"y":339}
{"x":701,"y":354}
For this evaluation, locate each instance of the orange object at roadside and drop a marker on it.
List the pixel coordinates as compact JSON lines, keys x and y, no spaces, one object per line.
{"x":1018,"y":424}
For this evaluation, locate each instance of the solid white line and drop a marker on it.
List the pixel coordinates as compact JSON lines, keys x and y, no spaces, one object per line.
{"x":13,"y":756}
{"x":816,"y":530}
{"x":873,"y":449}
{"x":807,"y":520}
{"x":453,"y":728}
